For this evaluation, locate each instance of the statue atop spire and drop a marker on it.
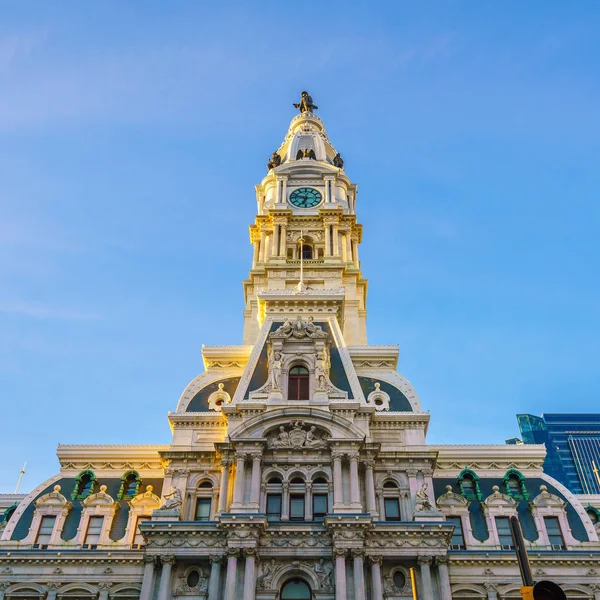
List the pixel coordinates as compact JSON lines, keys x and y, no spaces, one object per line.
{"x":306,"y":104}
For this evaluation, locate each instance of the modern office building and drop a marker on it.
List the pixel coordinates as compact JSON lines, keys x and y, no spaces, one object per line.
{"x":573,"y":447}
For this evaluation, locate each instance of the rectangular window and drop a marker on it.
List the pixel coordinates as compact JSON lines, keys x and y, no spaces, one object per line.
{"x":458,"y":541}
{"x":554,"y":533}
{"x":94,"y":530}
{"x":392,"y":509}
{"x":203,"y":509}
{"x":45,"y":530}
{"x":319,"y":506}
{"x":138,"y":539}
{"x":504,"y":535}
{"x":274,"y":507}
{"x":297,"y":507}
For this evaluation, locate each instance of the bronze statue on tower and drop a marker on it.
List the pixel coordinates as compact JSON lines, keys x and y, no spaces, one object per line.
{"x":306,"y":103}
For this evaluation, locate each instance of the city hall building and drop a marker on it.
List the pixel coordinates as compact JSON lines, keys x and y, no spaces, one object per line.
{"x":299,"y":466}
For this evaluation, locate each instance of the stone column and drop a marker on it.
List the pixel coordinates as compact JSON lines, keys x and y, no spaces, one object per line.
{"x":444,"y":577}
{"x":381,"y":502}
{"x":308,"y":502}
{"x":255,"y":482}
{"x":338,"y":498}
{"x":224,"y":488}
{"x":274,"y":241}
{"x":327,"y":240}
{"x":164,"y":591}
{"x":340,"y":573}
{"x":214,"y":583}
{"x":231,"y":578}
{"x":285,"y":501}
{"x":263,"y":244}
{"x":425,"y":564}
{"x":148,"y":579}
{"x":359,"y":574}
{"x":348,"y":247}
{"x":370,"y":488}
{"x":354,"y":487}
{"x":336,"y":240}
{"x":238,"y":489}
{"x":250,"y":574}
{"x":256,"y":250}
{"x":355,"y":253}
{"x":283,"y":241}
{"x":376,"y":587}
{"x":284,"y":190}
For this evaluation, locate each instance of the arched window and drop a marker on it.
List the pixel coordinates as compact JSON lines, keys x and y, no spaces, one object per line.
{"x":204,"y":495}
{"x":298,"y":383}
{"x":85,"y":483}
{"x":514,"y":484}
{"x":130,"y":486}
{"x":391,"y":501}
{"x":274,"y":498}
{"x":296,"y":589}
{"x":297,"y":499}
{"x":307,"y":252}
{"x":320,"y":499}
{"x":468,"y":483}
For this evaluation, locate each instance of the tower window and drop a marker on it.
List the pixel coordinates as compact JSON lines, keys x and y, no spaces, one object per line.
{"x":297,"y":507}
{"x":94,"y":530}
{"x":203,"y":509}
{"x":45,"y":530}
{"x":273,"y":507}
{"x":307,"y":252}
{"x":554,"y":533}
{"x":298,"y":384}
{"x":319,"y":506}
{"x":504,"y":535}
{"x":458,"y":541}
{"x":392,"y":509}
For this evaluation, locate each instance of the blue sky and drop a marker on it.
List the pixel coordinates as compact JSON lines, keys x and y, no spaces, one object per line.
{"x":133,"y":134}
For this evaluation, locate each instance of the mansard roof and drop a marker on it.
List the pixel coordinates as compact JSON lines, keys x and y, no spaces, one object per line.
{"x":67,"y":485}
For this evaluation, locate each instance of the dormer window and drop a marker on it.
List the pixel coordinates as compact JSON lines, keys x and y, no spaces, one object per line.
{"x":514,"y":484}
{"x":130,"y":486}
{"x":298,"y":383}
{"x":84,"y":485}
{"x":468,"y":483}
{"x":45,"y":531}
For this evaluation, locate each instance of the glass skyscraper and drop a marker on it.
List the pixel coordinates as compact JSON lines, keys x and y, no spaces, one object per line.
{"x":573,"y":447}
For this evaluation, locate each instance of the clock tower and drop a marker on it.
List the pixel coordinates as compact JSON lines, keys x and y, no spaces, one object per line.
{"x":306,"y":236}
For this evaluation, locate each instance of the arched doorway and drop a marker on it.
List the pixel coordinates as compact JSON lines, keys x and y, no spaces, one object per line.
{"x":296,"y":589}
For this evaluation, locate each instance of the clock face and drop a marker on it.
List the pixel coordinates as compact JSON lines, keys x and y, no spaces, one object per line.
{"x":305,"y":197}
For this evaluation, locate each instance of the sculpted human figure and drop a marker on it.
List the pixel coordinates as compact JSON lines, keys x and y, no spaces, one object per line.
{"x":172,"y":500}
{"x":274,"y":161}
{"x":338,"y":161}
{"x":311,"y":438}
{"x":275,"y":369}
{"x":306,"y":104}
{"x":282,"y":439}
{"x":422,"y":499}
{"x":320,"y":371}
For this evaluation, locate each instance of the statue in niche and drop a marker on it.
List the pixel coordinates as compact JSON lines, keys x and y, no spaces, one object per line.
{"x":306,"y":104}
{"x":274,"y":161}
{"x":321,"y":371}
{"x":173,"y":499}
{"x":422,"y":502}
{"x":275,"y":369}
{"x":338,"y":161}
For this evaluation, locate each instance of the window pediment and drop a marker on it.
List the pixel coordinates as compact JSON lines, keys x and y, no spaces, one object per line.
{"x":546,"y":499}
{"x":100,"y":499}
{"x":53,"y":499}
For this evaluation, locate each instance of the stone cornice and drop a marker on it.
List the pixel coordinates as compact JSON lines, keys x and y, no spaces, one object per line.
{"x":110,"y":457}
{"x":374,"y":357}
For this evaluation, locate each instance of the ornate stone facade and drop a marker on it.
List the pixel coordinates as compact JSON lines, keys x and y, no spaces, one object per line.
{"x":299,"y":459}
